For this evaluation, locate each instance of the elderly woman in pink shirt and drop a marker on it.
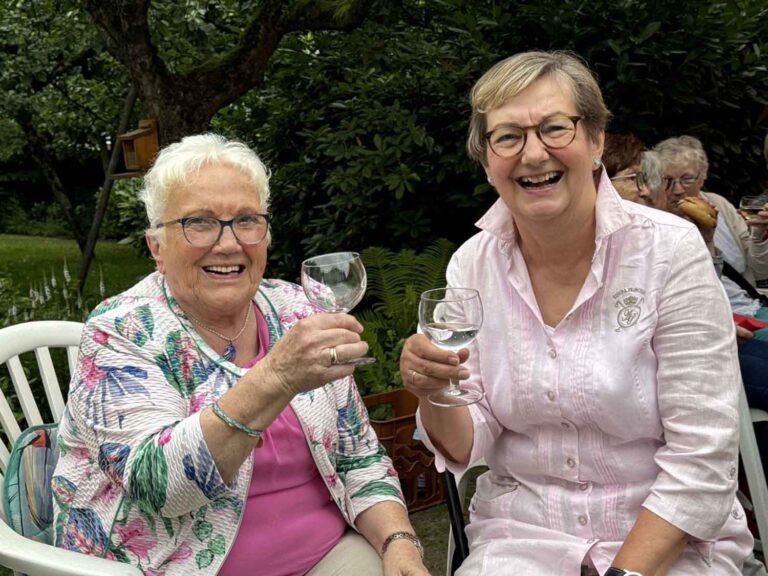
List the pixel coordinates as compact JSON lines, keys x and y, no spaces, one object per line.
{"x":607,"y":358}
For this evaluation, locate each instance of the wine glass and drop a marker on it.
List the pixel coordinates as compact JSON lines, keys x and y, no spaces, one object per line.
{"x":451,"y":317}
{"x":750,"y":206}
{"x":335,"y":283}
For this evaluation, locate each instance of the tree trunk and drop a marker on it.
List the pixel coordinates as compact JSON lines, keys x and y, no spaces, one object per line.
{"x":106,"y":190}
{"x":43,"y":159}
{"x":185,"y":103}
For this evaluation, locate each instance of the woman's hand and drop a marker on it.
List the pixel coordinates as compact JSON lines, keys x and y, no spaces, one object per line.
{"x":302,"y":359}
{"x":742,"y":334}
{"x":759,"y":225}
{"x":703,"y":214}
{"x":403,"y":559}
{"x":425,"y":368}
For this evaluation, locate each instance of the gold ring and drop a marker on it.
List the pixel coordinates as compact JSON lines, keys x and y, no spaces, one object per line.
{"x":334,"y":357}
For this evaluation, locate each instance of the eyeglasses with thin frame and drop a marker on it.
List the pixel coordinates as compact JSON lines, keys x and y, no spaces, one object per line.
{"x":638,"y":177}
{"x":684,"y":181}
{"x":555,"y":132}
{"x":206,"y":231}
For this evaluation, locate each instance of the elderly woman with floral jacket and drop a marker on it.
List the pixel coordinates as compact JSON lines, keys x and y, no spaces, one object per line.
{"x":212,"y":426}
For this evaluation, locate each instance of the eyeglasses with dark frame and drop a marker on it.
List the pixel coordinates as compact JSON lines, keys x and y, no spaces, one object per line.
{"x":206,"y":231}
{"x":638,"y":177}
{"x":555,"y":132}
{"x":684,"y":181}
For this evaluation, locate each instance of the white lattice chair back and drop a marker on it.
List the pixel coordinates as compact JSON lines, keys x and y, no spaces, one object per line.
{"x":21,"y":554}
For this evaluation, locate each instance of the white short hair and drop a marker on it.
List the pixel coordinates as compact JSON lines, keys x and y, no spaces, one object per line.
{"x":177,"y":163}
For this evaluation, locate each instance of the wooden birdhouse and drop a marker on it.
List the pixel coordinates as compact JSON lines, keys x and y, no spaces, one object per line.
{"x":139,"y":148}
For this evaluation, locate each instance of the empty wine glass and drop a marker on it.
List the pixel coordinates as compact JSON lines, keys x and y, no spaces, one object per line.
{"x":335,"y":283}
{"x":451,"y":317}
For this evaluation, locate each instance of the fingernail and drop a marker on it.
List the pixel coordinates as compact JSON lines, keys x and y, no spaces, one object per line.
{"x":463,"y":374}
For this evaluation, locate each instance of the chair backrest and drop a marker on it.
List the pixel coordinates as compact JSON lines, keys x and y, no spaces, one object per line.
{"x":456,"y":495}
{"x":37,"y":337}
{"x":753,"y":466}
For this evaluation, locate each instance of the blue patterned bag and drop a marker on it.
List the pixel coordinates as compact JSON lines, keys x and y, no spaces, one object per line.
{"x":27,"y":495}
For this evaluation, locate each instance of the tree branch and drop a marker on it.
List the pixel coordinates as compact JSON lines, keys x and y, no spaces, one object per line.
{"x":124,"y":27}
{"x":243,"y":67}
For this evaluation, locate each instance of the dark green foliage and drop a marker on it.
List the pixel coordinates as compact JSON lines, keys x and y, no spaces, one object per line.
{"x":395,"y":283}
{"x":365,"y":131}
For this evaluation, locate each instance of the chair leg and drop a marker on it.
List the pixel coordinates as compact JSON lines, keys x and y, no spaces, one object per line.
{"x":456,"y":514}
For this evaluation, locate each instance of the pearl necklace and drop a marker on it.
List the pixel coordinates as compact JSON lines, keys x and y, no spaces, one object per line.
{"x":231,"y":351}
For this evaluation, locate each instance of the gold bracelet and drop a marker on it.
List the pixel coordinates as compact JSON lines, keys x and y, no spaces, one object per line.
{"x":412,"y":538}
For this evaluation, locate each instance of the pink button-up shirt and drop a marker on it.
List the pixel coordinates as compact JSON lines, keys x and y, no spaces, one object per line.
{"x":629,"y":402}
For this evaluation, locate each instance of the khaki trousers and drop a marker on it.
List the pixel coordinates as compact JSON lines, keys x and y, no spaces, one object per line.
{"x":352,"y":556}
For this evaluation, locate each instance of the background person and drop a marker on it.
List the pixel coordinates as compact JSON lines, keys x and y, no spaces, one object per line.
{"x":212,"y":426}
{"x":623,"y":158}
{"x":607,"y":358}
{"x":746,"y":251}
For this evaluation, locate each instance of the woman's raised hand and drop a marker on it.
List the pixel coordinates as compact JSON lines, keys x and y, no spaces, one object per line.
{"x":425,"y":368}
{"x":312,"y":353}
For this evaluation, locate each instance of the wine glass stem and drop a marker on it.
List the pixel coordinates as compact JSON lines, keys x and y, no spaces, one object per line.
{"x":453,"y":388}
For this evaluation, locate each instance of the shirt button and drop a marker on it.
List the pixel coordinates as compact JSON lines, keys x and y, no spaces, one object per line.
{"x":565,"y":425}
{"x":736,"y":514}
{"x":552,"y":353}
{"x":583,"y":520}
{"x":591,"y":540}
{"x":732,"y":471}
{"x":571,"y":463}
{"x":584,"y":486}
{"x":551,"y":396}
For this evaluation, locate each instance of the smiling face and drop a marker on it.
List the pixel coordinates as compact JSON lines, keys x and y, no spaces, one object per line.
{"x":542,"y":184}
{"x":215,"y":283}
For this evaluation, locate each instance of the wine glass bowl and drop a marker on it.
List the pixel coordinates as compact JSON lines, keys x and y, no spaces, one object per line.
{"x":751,"y":206}
{"x":335,"y":283}
{"x":451,"y":318}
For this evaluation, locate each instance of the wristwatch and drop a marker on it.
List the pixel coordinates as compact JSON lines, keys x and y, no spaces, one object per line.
{"x":620,"y":572}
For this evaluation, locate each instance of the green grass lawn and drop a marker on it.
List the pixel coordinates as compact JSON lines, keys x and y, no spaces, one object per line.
{"x":27,"y":261}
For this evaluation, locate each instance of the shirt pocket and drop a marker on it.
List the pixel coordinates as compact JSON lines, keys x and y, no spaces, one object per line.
{"x":493,"y":497}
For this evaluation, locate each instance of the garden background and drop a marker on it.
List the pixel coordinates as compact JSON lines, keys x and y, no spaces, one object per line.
{"x":359,"y":108}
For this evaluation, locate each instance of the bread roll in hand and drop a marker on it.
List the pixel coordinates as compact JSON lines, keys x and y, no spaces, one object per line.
{"x":703,"y":214}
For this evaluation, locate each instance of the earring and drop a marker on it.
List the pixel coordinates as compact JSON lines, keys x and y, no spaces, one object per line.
{"x":596,"y":163}
{"x":490,"y":180}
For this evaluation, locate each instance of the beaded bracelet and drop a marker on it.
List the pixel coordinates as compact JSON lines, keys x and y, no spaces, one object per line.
{"x":232,"y":423}
{"x":412,"y":538}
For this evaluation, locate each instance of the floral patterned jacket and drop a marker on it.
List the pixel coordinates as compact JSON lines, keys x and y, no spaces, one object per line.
{"x":135,"y":481}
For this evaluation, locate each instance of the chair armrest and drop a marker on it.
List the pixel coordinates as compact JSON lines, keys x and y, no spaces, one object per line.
{"x":37,"y":559}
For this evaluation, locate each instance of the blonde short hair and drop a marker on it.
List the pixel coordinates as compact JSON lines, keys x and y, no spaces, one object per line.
{"x":512,"y":75}
{"x":177,"y":163}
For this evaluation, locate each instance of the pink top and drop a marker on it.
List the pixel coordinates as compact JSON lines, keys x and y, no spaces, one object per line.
{"x":629,"y":402}
{"x":289,"y":522}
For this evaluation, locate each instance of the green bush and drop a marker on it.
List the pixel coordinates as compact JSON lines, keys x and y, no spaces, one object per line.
{"x":395,"y":283}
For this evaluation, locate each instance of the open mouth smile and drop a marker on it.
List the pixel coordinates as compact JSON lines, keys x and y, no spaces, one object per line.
{"x":225,"y":270}
{"x":540,"y":180}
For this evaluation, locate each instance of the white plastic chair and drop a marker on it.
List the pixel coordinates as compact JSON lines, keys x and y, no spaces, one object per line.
{"x":753,"y":466}
{"x":461,"y":482}
{"x":16,"y":552}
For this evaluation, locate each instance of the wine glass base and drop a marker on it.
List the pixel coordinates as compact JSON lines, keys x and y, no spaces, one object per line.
{"x":453,"y":397}
{"x":362,"y":361}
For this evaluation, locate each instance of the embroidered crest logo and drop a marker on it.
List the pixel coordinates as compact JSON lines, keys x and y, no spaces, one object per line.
{"x":630,"y":304}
